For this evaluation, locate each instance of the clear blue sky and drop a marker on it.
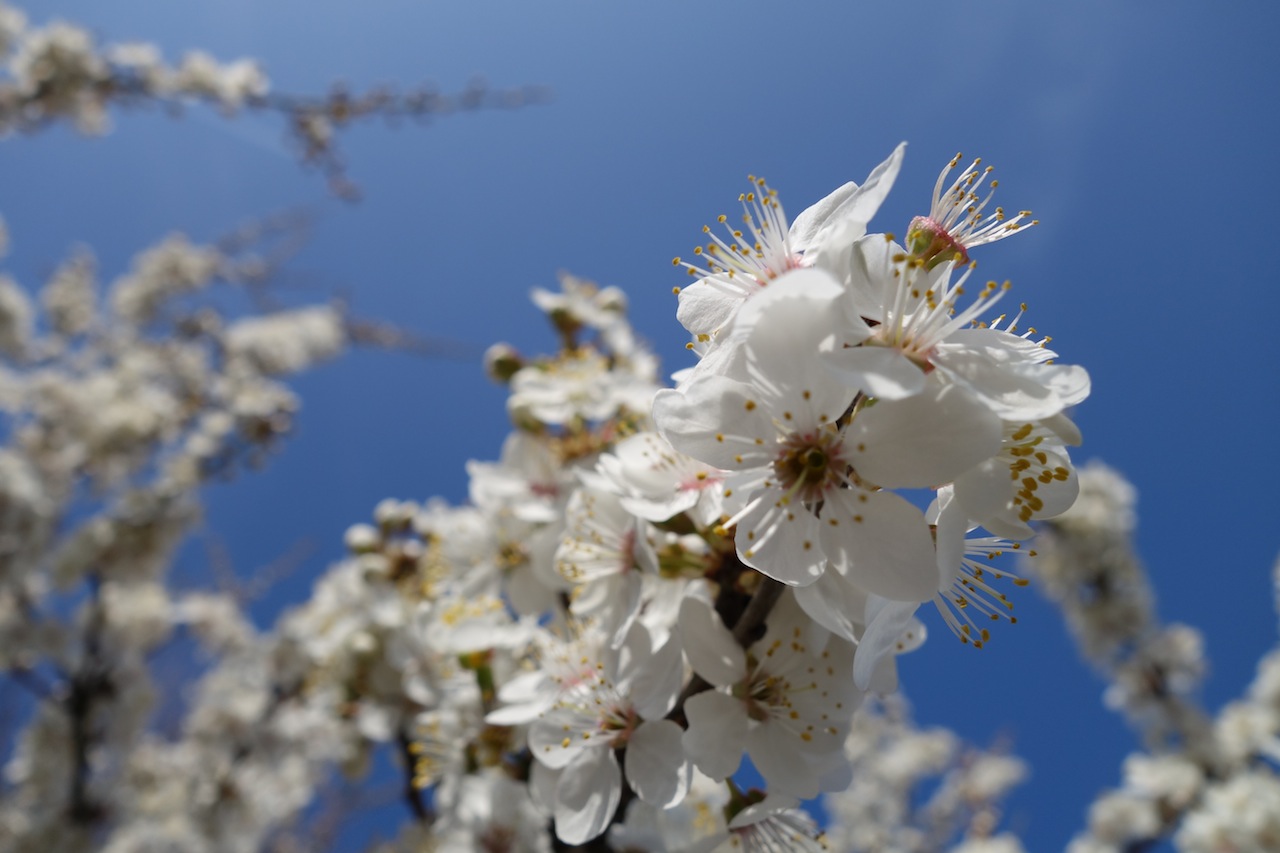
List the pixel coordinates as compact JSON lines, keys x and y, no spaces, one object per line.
{"x":1142,"y":134}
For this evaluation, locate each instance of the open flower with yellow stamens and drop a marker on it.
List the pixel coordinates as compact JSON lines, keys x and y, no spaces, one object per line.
{"x":905,"y":321}
{"x":617,"y":702}
{"x":731,"y":269}
{"x":810,"y":475}
{"x":785,"y":702}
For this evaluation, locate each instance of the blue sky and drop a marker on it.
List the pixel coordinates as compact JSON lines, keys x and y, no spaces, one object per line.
{"x":1141,"y":134}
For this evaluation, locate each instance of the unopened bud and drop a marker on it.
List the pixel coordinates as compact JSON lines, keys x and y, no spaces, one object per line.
{"x":501,"y":362}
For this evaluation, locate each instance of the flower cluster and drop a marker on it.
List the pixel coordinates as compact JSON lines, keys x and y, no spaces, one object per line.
{"x":655,"y":586}
{"x":844,"y":379}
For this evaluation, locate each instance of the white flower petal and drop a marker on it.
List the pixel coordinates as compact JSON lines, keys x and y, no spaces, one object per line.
{"x":925,"y":440}
{"x":587,"y":795}
{"x":708,"y":644}
{"x":834,"y":603}
{"x":656,"y":767}
{"x":704,"y":307}
{"x":848,"y":216}
{"x":882,"y":543}
{"x":887,"y":622}
{"x":555,"y":739}
{"x":717,"y":421}
{"x":781,"y":540}
{"x":879,"y":372}
{"x":774,"y":753}
{"x":717,"y":733}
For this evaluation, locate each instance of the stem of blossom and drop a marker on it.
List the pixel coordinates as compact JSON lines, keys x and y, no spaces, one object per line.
{"x":91,"y":682}
{"x":766,"y":596}
{"x":745,"y":632}
{"x":412,"y":794}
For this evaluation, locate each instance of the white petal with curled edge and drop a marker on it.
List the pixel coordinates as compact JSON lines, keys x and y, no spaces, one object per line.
{"x":656,"y":766}
{"x":717,"y":733}
{"x":855,"y":208}
{"x":815,"y":217}
{"x":587,"y":795}
{"x":882,"y":543}
{"x":1069,"y":381}
{"x":887,"y":621}
{"x":704,"y":307}
{"x":710,"y":648}
{"x":925,"y":440}
{"x":1064,"y":428}
{"x":1014,"y":392}
{"x":717,"y":421}
{"x":951,"y":525}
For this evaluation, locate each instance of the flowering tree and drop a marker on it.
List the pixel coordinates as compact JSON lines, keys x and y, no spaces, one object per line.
{"x":665,"y":616}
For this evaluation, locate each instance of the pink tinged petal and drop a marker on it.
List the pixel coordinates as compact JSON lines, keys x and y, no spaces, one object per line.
{"x":657,"y":769}
{"x":587,"y":796}
{"x":717,"y":421}
{"x":882,"y":544}
{"x":887,"y":622}
{"x":775,"y":754}
{"x":705,"y":306}
{"x":717,"y":732}
{"x":834,"y":603}
{"x":781,"y":540}
{"x":710,"y":648}
{"x":880,"y":372}
{"x":924,"y":440}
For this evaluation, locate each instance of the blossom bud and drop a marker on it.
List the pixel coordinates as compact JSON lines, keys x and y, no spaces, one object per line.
{"x":501,"y":362}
